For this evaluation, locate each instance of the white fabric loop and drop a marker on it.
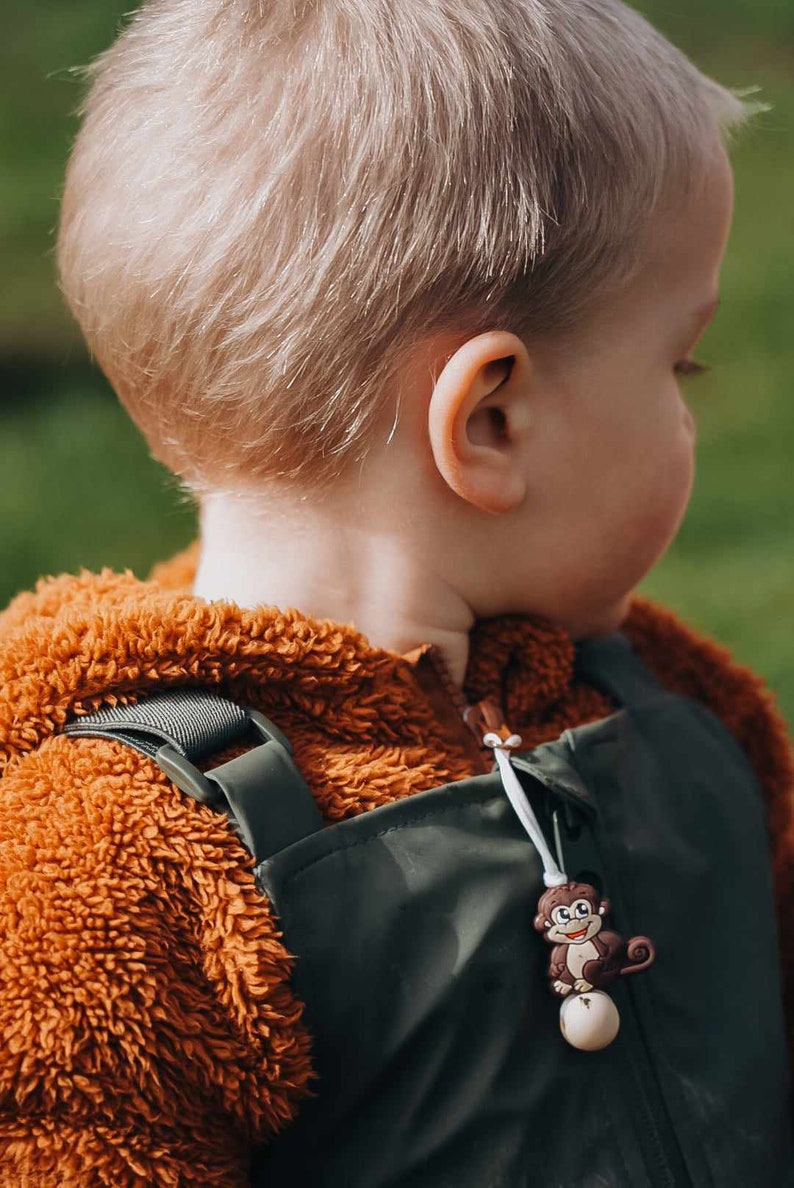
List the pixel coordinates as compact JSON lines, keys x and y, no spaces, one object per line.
{"x":552,"y":875}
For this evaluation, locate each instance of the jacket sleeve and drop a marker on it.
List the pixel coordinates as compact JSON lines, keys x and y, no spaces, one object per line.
{"x":148,"y":1034}
{"x":689,"y":664}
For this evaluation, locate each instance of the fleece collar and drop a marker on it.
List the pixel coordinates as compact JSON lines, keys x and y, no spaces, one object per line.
{"x":78,"y":641}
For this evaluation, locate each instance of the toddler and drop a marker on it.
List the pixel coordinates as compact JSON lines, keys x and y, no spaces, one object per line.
{"x":402,"y":291}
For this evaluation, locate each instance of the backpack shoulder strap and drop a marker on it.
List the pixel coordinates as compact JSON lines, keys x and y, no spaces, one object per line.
{"x":611,"y":664}
{"x":262,"y":789}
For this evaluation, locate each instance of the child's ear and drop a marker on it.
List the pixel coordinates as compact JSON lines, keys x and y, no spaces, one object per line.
{"x":478,"y":418}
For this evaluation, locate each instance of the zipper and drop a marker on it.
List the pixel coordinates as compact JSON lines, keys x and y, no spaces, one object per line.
{"x":442,"y":671}
{"x":582,"y":856}
{"x":462,"y":719}
{"x":581,"y":852}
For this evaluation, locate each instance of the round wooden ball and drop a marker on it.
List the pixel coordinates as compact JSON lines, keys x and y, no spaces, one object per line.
{"x":589,"y":1021}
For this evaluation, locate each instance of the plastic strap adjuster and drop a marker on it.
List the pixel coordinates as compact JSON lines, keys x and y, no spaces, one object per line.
{"x":200,"y":785}
{"x":261,"y":790}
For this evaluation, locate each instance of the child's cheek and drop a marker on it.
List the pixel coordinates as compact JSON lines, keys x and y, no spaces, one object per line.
{"x":655,"y":497}
{"x":667,"y":506}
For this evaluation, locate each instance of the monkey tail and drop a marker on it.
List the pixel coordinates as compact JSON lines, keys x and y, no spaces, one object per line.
{"x":641,"y":954}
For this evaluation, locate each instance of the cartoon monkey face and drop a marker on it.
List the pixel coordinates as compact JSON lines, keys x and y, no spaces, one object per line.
{"x":571,"y":914}
{"x":575,"y":923}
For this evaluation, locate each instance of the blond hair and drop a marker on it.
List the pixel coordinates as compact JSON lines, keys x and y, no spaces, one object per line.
{"x":271,"y":202}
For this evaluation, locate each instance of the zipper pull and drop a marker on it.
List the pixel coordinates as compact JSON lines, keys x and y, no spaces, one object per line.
{"x":576,"y":846}
{"x":486,"y":717}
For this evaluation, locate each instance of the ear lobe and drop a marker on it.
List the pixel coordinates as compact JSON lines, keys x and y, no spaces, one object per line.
{"x":477,"y":418}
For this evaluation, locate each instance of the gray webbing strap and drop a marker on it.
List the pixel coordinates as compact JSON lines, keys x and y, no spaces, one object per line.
{"x":262,"y":790}
{"x":193,"y":721}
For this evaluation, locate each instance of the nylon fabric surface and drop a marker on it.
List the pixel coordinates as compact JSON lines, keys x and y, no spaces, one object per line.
{"x":437,"y":1040}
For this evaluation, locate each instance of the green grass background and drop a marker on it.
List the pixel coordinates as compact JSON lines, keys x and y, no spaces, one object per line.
{"x":78,"y":488}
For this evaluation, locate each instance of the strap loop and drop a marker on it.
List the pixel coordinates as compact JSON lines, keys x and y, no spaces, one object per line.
{"x":262,"y":790}
{"x":553,"y":876}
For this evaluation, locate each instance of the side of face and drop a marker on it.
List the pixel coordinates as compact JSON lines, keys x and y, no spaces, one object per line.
{"x":588,"y":441}
{"x":612,"y":464}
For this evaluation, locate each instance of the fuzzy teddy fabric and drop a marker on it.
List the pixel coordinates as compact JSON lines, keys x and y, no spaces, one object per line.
{"x":148,"y":1031}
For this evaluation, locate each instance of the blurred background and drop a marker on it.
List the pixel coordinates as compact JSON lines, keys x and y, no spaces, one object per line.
{"x":77,"y":487}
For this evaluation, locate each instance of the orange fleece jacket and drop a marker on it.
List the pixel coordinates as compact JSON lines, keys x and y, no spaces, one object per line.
{"x":149,"y":1032}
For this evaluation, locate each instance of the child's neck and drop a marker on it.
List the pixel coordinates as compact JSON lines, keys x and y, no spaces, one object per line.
{"x":330,"y":563}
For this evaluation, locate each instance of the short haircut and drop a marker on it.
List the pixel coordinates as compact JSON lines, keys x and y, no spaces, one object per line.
{"x":270,"y":203}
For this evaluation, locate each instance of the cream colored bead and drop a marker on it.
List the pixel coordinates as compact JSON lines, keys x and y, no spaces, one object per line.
{"x":589,"y":1021}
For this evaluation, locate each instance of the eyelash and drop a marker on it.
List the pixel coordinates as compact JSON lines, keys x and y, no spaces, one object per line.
{"x":690,"y":367}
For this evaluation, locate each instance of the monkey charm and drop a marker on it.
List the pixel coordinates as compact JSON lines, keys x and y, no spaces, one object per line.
{"x":585,"y":959}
